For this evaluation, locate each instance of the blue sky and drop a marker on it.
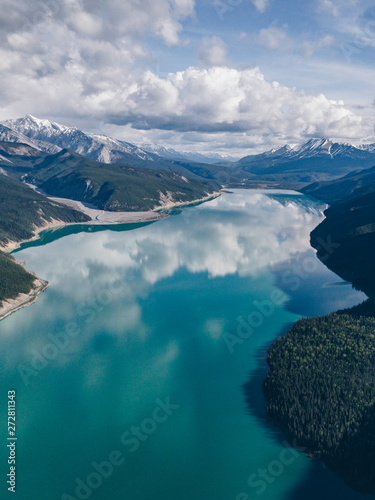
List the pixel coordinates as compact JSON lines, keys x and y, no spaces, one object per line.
{"x":308,"y":45}
{"x":234,"y":76}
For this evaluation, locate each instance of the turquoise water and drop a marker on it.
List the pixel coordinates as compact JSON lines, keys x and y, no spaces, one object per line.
{"x":130,"y":368}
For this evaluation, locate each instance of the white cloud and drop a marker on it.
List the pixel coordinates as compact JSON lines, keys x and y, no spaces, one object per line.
{"x":56,"y":53}
{"x":329,"y":6}
{"x":275,"y":38}
{"x":310,"y":47}
{"x":228,"y":100}
{"x":212,"y":51}
{"x":115,"y":20}
{"x":217,"y":100}
{"x":261,"y":5}
{"x":74,"y":61}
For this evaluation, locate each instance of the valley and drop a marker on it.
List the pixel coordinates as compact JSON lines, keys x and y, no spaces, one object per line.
{"x":52,"y":176}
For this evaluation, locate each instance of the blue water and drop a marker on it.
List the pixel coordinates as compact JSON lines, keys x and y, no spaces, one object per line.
{"x":130,"y":368}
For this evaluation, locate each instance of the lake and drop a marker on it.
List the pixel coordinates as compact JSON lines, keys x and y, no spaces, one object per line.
{"x":129,"y":370}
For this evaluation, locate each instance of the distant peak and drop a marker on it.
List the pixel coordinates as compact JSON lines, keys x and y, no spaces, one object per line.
{"x":31,"y":122}
{"x":35,"y":119}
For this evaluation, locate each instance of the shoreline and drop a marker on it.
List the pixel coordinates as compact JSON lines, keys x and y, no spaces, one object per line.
{"x":295,"y":429}
{"x":104,"y":218}
{"x":10,"y":306}
{"x":98,"y":217}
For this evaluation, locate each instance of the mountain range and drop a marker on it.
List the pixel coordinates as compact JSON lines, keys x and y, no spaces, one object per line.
{"x":211,"y":158}
{"x":318,"y":159}
{"x":108,"y":186}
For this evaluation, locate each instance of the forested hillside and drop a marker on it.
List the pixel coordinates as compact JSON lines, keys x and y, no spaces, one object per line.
{"x":14,"y":278}
{"x":115,"y":187}
{"x":321,"y":388}
{"x":321,"y":382}
{"x":22,"y":210}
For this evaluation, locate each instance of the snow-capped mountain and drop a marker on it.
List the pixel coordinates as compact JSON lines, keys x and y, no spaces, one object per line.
{"x":51,"y":137}
{"x":45,"y":135}
{"x":9,"y":135}
{"x":318,"y":159}
{"x":291,"y":165}
{"x":96,"y":147}
{"x":314,"y":148}
{"x":187,"y":155}
{"x":368,"y":147}
{"x":321,"y":147}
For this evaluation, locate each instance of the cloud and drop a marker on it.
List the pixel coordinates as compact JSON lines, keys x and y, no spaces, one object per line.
{"x":56,"y":53}
{"x":275,"y":38}
{"x":119,"y":26}
{"x":310,"y":47}
{"x":214,"y":100}
{"x":79,"y":62}
{"x":330,"y":6}
{"x":212,"y":51}
{"x":110,"y":20}
{"x":261,"y":5}
{"x":228,"y":100}
{"x":338,"y":8}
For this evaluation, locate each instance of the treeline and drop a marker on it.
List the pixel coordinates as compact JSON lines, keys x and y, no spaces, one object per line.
{"x":14,"y":279}
{"x":22,"y":209}
{"x":321,"y":389}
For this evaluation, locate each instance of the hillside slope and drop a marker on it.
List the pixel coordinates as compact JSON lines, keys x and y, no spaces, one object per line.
{"x":349,"y":228}
{"x":114,"y":187}
{"x":22,"y":211}
{"x":320,"y":386}
{"x":353,"y":184}
{"x":349,"y":225}
{"x":316,"y":160}
{"x":46,"y":135}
